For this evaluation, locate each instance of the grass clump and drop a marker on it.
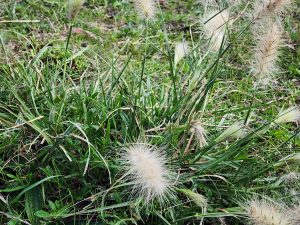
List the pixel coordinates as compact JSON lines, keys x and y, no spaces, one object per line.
{"x":143,"y":112}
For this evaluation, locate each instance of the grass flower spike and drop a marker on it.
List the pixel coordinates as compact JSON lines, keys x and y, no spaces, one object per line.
{"x":198,"y":199}
{"x":200,"y":133}
{"x":215,"y":27}
{"x":295,"y":215}
{"x":267,"y":8}
{"x":146,"y":168}
{"x":266,"y":52}
{"x":236,"y":130}
{"x":146,"y":9}
{"x":290,"y":115}
{"x":74,"y":7}
{"x":265,"y":213}
{"x":181,"y":50}
{"x":291,"y":177}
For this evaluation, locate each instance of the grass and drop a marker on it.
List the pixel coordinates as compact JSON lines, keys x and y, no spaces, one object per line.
{"x":65,"y":115}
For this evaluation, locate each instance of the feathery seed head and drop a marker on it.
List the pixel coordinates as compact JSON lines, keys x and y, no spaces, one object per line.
{"x":265,"y":213}
{"x":74,"y":7}
{"x":236,"y":130}
{"x":208,"y":2}
{"x":216,"y":3}
{"x":146,"y":9}
{"x":295,"y":157}
{"x":146,"y":168}
{"x":268,"y":8}
{"x":181,"y":50}
{"x":215,"y":27}
{"x":266,"y":52}
{"x":294,"y":214}
{"x":200,"y":133}
{"x":290,"y":177}
{"x":198,"y":199}
{"x":289,"y":115}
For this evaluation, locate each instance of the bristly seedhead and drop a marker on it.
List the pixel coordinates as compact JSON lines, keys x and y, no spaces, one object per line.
{"x":181,"y":50}
{"x":267,"y":8}
{"x":146,"y":9}
{"x":294,"y":215}
{"x":261,"y":212}
{"x":290,"y":115}
{"x":197,"y":198}
{"x":146,"y":167}
{"x":200,"y":133}
{"x":291,"y":177}
{"x":217,"y":3}
{"x":268,"y":43}
{"x":236,"y":130}
{"x":74,"y":7}
{"x":215,"y":27}
{"x":209,"y":3}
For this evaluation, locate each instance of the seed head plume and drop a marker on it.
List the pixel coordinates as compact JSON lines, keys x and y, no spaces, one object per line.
{"x":146,"y":167}
{"x":74,"y":7}
{"x":181,"y":50}
{"x":209,"y":2}
{"x":266,"y":52}
{"x":198,"y":199}
{"x":267,"y":8}
{"x":294,"y":214}
{"x":265,"y":213}
{"x":200,"y":133}
{"x":292,"y":158}
{"x":146,"y":9}
{"x":236,"y":130}
{"x":289,"y":178}
{"x":215,"y":27}
{"x":290,"y":115}
{"x":215,"y":3}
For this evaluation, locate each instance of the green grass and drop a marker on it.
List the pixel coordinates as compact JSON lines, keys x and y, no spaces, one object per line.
{"x":66,"y":115}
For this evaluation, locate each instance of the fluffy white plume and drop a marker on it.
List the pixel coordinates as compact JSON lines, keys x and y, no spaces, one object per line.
{"x":74,"y":7}
{"x":181,"y":50}
{"x":215,"y":27}
{"x":265,"y":213}
{"x":146,"y":9}
{"x":200,"y":133}
{"x":290,"y":177}
{"x":267,"y":8}
{"x":266,"y":53}
{"x":236,"y":130}
{"x":294,"y":214}
{"x":289,"y":115}
{"x":198,"y":199}
{"x":146,"y":167}
{"x":295,"y":157}
{"x":208,"y":2}
{"x":216,"y":3}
